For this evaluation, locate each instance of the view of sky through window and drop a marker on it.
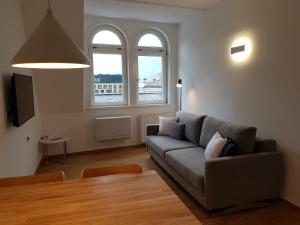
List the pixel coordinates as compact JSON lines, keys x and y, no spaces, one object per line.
{"x":150,"y":40}
{"x":108,"y":78}
{"x":150,"y":78}
{"x":107,"y":64}
{"x":106,"y":37}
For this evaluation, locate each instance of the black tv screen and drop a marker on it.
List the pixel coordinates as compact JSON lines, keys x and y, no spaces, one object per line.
{"x":21,"y":102}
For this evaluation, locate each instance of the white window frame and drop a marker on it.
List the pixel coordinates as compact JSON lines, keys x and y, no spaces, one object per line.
{"x":154,"y":51}
{"x":109,"y":49}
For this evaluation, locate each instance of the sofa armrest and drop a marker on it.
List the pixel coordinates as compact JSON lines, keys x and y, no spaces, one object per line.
{"x":243,"y":179}
{"x":265,"y":146}
{"x":152,"y":129}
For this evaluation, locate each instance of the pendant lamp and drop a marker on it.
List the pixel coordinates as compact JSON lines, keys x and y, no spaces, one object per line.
{"x":49,"y":47}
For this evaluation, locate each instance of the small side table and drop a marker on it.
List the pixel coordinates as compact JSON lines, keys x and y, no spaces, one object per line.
{"x":49,"y":141}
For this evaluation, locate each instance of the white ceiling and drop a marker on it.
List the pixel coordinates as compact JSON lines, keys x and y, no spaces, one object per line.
{"x":196,"y":4}
{"x":131,"y":9}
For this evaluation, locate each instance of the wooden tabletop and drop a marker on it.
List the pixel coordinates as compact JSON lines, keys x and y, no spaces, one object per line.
{"x":127,"y":199}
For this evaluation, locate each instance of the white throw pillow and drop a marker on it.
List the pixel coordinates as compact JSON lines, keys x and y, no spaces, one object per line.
{"x":215,"y":146}
{"x":165,"y":125}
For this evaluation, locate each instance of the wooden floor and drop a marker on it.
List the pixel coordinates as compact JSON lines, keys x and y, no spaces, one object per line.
{"x":278,"y":214}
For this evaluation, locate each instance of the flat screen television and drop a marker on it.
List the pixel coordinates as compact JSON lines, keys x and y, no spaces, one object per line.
{"x":21,"y":107}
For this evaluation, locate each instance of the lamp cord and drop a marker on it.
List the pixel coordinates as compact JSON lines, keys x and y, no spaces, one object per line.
{"x":49,"y":4}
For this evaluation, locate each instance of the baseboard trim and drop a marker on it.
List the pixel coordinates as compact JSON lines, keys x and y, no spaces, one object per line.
{"x":290,"y":205}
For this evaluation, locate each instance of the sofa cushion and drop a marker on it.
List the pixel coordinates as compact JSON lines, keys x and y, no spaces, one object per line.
{"x":193,"y":125}
{"x":243,"y":136}
{"x":215,"y":146}
{"x":165,"y":125}
{"x":190,"y":164}
{"x":177,"y":131}
{"x":230,"y":148}
{"x":163,"y":144}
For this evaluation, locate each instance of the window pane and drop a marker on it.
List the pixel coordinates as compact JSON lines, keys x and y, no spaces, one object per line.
{"x":150,"y":78}
{"x":106,"y":37}
{"x":108,"y":78}
{"x":150,"y":40}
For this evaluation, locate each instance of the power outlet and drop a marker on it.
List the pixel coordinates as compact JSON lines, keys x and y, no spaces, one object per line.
{"x":28,"y":139}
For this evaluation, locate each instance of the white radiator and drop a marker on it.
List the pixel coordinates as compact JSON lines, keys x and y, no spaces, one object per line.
{"x":112,"y":128}
{"x":147,"y":119}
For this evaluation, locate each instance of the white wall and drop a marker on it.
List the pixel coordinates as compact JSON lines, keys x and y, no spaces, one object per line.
{"x":17,"y":156}
{"x":264,"y":91}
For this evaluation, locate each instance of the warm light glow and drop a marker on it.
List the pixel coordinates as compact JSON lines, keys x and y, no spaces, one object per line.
{"x":244,"y":55}
{"x":51,"y":65}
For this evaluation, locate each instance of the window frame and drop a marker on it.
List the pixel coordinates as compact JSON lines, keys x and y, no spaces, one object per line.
{"x":154,"y":51}
{"x":109,"y":49}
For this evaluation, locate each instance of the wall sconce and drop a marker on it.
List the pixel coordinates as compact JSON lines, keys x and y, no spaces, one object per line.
{"x":238,"y":49}
{"x":179,"y":86}
{"x":241,"y":49}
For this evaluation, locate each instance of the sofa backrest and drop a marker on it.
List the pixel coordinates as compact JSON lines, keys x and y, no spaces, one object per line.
{"x":243,"y":136}
{"x":193,"y":125}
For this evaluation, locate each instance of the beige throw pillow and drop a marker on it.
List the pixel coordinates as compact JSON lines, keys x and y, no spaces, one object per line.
{"x":215,"y":147}
{"x":165,"y":125}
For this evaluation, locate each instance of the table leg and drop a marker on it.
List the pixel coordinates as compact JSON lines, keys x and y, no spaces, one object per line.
{"x":65,"y":150}
{"x":46,"y":153}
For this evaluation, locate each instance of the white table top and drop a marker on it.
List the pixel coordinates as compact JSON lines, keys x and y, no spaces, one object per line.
{"x":54,"y":140}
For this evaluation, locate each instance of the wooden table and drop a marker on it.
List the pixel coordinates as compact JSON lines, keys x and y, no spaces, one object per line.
{"x":127,"y":199}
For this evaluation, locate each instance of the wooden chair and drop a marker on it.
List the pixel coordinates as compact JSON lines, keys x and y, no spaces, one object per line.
{"x":95,"y":172}
{"x":35,"y":179}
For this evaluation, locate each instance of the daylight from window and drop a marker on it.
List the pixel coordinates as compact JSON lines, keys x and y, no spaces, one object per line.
{"x":106,"y":37}
{"x":150,"y":40}
{"x":151,"y":73}
{"x":108,"y":78}
{"x":109,"y":68}
{"x":150,"y":78}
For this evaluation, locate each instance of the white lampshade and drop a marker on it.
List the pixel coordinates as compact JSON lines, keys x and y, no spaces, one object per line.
{"x":49,"y":47}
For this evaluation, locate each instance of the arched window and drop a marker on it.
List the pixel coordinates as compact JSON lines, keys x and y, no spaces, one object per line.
{"x":152,"y":68}
{"x":108,"y":53}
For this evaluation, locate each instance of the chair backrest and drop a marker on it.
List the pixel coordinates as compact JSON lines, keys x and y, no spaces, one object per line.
{"x":95,"y":172}
{"x":35,"y":179}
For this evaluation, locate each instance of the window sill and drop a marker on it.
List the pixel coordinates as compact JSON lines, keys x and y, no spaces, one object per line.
{"x":109,"y":107}
{"x":152,"y":105}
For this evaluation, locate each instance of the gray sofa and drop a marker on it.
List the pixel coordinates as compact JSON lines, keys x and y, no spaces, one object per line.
{"x":255,"y":174}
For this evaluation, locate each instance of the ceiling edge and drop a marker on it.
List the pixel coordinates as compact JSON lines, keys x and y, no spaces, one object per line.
{"x":162,"y":4}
